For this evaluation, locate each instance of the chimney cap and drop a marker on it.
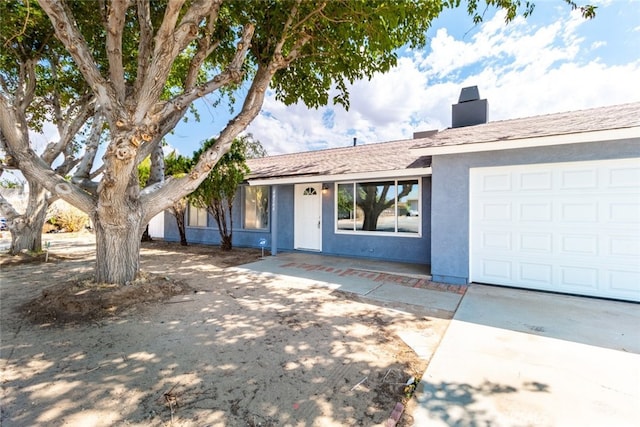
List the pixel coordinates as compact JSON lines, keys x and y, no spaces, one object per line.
{"x":470,"y":93}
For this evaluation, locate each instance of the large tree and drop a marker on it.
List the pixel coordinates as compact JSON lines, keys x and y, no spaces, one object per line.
{"x":37,"y":82}
{"x":147,"y":61}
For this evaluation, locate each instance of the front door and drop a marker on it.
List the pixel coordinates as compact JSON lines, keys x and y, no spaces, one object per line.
{"x":308,"y":217}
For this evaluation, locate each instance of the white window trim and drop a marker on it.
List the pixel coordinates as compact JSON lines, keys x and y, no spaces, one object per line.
{"x":380,"y":233}
{"x":243,"y":215}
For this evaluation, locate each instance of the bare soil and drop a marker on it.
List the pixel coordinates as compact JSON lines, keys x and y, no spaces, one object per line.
{"x":194,"y":342}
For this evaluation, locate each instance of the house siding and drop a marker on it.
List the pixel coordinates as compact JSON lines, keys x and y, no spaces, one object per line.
{"x":450,"y":194}
{"x":414,"y":250}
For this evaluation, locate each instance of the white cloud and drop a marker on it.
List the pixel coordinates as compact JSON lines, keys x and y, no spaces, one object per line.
{"x":522,"y":68}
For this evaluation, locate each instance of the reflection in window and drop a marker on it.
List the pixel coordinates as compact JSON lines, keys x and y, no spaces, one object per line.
{"x":345,"y":207}
{"x":381,"y":206}
{"x":256,"y":207}
{"x":197,"y":217}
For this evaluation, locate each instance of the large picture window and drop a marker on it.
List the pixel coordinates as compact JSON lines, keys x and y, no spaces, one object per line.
{"x":197,"y":217}
{"x":379,"y":207}
{"x":256,"y":207}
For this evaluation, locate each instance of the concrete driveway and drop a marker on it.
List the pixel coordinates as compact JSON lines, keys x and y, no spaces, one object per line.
{"x":523,"y":358}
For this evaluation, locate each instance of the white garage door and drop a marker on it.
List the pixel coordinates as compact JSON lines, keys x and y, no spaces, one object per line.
{"x":565,"y":227}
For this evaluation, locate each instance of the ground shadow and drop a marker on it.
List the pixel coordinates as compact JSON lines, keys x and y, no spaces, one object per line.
{"x":240,"y":350}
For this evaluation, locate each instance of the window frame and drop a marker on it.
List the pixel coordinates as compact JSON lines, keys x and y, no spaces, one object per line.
{"x":194,"y":209}
{"x":395,"y":233}
{"x":243,"y":207}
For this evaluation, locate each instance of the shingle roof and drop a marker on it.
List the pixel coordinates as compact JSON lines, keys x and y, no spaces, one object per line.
{"x":400,"y":155}
{"x":595,"y":119}
{"x":378,"y":157}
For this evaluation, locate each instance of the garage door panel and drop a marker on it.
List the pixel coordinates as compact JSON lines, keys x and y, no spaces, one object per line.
{"x":624,"y":246}
{"x":623,"y":177}
{"x":497,"y":240}
{"x":581,"y":277}
{"x":625,"y":281}
{"x":497,"y":269}
{"x":578,"y":179}
{"x":536,"y":181}
{"x":535,"y":274}
{"x":572,"y":244}
{"x":566,"y":227}
{"x":624,"y":212}
{"x":536,"y":242}
{"x":535,"y":212}
{"x":573,"y":212}
{"x":496,"y":212}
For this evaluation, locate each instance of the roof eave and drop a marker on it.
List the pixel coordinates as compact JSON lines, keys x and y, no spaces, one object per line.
{"x":357,"y":176}
{"x":541,"y":141}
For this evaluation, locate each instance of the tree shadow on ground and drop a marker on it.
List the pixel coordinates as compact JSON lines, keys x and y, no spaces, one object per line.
{"x":459,"y":404}
{"x":240,"y":350}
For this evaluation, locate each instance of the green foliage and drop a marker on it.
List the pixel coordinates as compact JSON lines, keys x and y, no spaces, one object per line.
{"x":27,"y":39}
{"x":224,"y":179}
{"x":176,"y":164}
{"x":10,"y":184}
{"x":217,"y":192}
{"x":144,"y":170}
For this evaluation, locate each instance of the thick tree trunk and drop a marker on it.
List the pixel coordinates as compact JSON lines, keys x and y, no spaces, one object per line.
{"x":182,"y":231}
{"x":217,"y":209}
{"x":118,"y":249}
{"x":370,"y":220}
{"x":26,"y":230}
{"x":178,"y":210}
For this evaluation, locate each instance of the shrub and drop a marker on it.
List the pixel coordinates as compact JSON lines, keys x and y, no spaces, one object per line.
{"x":67,"y":218}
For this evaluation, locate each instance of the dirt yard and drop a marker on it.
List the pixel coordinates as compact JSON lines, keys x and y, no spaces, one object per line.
{"x":216,"y":348}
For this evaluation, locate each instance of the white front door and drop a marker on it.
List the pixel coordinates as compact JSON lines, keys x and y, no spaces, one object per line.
{"x":566,"y":227}
{"x":308,"y":217}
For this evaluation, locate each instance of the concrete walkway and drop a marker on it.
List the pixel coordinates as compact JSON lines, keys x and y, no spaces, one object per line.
{"x":522,"y":358}
{"x":406,"y":286}
{"x":509,"y":357}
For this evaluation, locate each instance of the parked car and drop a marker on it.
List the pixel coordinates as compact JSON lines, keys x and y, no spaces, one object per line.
{"x":3,"y":224}
{"x":412,"y":212}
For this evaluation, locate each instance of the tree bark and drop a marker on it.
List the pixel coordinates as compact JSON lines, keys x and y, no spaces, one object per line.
{"x":178,"y":210}
{"x":217,"y":209}
{"x":26,"y":229}
{"x":118,"y":248}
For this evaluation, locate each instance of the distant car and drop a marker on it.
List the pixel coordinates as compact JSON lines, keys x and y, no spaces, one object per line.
{"x":412,"y":212}
{"x":3,"y":224}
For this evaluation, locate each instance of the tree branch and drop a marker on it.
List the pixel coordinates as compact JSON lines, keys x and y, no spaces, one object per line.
{"x":30,"y":85}
{"x":231,"y":74}
{"x":13,"y":125}
{"x":144,"y":45}
{"x":163,"y":196}
{"x":115,"y":24}
{"x":168,"y":43}
{"x":68,"y":128}
{"x":68,"y":33}
{"x":204,"y":50}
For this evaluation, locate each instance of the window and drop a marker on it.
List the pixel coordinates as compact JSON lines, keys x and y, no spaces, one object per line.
{"x":256,"y":207}
{"x":380,"y":207}
{"x":197,"y":217}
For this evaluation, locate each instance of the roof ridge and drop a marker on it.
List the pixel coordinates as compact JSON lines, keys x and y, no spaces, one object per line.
{"x":558,"y":113}
{"x":336,"y":149}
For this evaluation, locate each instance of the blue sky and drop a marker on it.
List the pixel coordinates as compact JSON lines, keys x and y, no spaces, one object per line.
{"x":551,"y":62}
